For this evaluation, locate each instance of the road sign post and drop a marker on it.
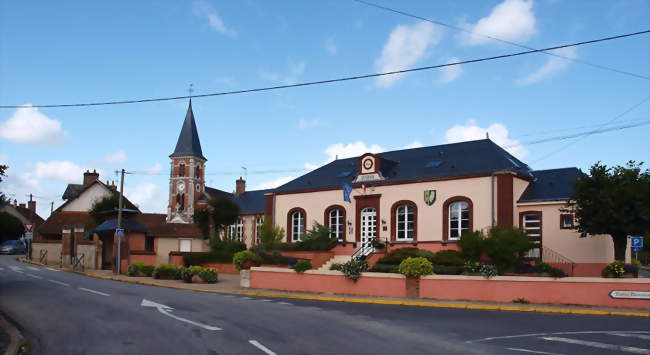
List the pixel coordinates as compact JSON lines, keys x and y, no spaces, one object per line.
{"x":637,"y":245}
{"x":28,"y":235}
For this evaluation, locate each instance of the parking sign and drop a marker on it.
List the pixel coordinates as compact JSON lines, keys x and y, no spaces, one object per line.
{"x":637,"y":243}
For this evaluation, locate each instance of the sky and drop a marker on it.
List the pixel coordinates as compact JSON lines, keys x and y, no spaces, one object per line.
{"x":90,"y":51}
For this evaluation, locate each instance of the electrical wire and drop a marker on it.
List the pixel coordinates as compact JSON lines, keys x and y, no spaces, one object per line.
{"x":457,"y":28}
{"x":329,"y":81}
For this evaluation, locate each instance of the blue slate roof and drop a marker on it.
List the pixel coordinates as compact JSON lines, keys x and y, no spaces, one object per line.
{"x":550,"y":185}
{"x":128,"y":224}
{"x":250,"y":202}
{"x":440,"y":161}
{"x":188,"y":141}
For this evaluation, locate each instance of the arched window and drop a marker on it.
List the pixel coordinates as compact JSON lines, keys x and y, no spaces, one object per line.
{"x":404,"y":215}
{"x":335,"y":221}
{"x":457,"y":217}
{"x":259,"y":222}
{"x":296,"y":224}
{"x":236,"y":230}
{"x":198,"y":171}
{"x":181,"y":170}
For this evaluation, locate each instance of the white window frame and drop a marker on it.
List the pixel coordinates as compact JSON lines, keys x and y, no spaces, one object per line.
{"x":259,"y":221}
{"x":536,"y":231}
{"x":180,"y":245}
{"x":402,"y":230}
{"x":458,"y":213}
{"x":336,"y":223}
{"x":297,"y":225}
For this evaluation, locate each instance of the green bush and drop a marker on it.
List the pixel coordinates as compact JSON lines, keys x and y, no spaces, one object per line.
{"x":168,"y":271}
{"x":384,"y":268}
{"x":415,"y":267}
{"x":302,"y":266}
{"x":472,"y":245}
{"x":208,"y":275}
{"x":316,"y":239}
{"x":353,"y":269}
{"x":132,"y":270}
{"x":270,"y":235}
{"x":139,"y":267}
{"x":396,"y":256}
{"x":505,"y":246}
{"x":227,"y":246}
{"x":243,"y":257}
{"x":335,"y":267}
{"x":472,"y":266}
{"x":448,"y":269}
{"x":275,"y":258}
{"x":448,"y":257}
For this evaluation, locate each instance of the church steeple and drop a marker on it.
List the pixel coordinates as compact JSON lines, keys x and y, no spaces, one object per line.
{"x":188,"y":144}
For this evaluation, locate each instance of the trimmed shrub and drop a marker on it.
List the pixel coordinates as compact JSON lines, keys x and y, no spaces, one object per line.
{"x":335,"y":267}
{"x":316,"y":239}
{"x":208,"y":275}
{"x":243,"y":259}
{"x":168,"y":271}
{"x":302,"y":266}
{"x":139,"y":267}
{"x":448,"y":269}
{"x":385,"y":268}
{"x":472,"y":245}
{"x":415,"y":267}
{"x":449,"y":258}
{"x":353,"y":269}
{"x":506,"y":246}
{"x":274,"y":258}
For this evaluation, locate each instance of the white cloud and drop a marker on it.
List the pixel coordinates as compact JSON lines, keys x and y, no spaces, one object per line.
{"x":147,"y":197}
{"x":553,"y":66}
{"x":157,"y":168}
{"x":207,"y":11}
{"x":273,"y":183}
{"x":450,"y":73}
{"x":498,"y":134}
{"x":29,"y":125}
{"x":511,"y":20}
{"x":414,"y":144}
{"x":307,"y":124}
{"x":310,"y":166}
{"x":342,"y":151}
{"x":56,"y":170}
{"x":330,"y":46}
{"x":405,"y":46}
{"x":296,"y":70}
{"x":115,"y":157}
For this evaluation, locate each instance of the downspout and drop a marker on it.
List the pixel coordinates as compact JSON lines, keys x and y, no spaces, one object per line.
{"x":492,"y":195}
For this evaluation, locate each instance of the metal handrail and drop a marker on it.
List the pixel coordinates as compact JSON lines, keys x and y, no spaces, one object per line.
{"x":550,"y":255}
{"x":42,"y":256}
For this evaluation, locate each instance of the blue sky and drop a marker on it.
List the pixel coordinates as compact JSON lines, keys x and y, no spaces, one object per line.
{"x":80,"y":51}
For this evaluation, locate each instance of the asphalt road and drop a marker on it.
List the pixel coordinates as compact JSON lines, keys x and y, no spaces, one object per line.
{"x":63,"y":313}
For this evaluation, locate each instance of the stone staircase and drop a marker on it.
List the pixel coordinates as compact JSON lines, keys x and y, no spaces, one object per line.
{"x":336,"y":259}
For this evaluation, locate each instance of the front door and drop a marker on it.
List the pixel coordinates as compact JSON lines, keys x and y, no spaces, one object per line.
{"x":368,"y":229}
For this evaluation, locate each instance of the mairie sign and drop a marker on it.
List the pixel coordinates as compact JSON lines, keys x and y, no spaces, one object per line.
{"x":630,"y":294}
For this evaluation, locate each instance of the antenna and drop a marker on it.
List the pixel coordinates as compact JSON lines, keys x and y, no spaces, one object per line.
{"x":487,"y":135}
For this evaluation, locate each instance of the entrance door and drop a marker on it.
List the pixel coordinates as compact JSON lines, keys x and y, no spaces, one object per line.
{"x":368,"y":229}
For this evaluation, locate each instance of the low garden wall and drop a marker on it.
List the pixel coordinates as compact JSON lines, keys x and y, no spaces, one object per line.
{"x":370,"y":284}
{"x":581,"y":269}
{"x":544,"y":290}
{"x":176,"y":258}
{"x":53,"y":249}
{"x":229,"y":268}
{"x":147,"y":257}
{"x":317,"y":258}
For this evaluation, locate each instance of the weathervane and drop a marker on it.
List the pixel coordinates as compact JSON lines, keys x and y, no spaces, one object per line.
{"x":191,"y":90}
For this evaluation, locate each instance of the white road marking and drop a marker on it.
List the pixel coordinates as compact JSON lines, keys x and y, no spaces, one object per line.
{"x":34,"y":268}
{"x":560,"y":333}
{"x":49,"y":268}
{"x":228,"y":296}
{"x":266,"y":300}
{"x":287,"y":303}
{"x":93,"y":291}
{"x":58,"y":282}
{"x":246,"y":298}
{"x":34,"y":276}
{"x":1,"y":269}
{"x":638,"y":336}
{"x":257,"y":344}
{"x":594,"y":344}
{"x":166,"y":309}
{"x":532,"y":351}
{"x":15,"y":268}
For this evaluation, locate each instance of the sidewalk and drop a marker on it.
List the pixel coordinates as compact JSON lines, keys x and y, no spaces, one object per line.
{"x":230,"y":284}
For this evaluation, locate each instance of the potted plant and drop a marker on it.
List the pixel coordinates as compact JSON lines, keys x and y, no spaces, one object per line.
{"x":246,"y":259}
{"x":413,"y":269}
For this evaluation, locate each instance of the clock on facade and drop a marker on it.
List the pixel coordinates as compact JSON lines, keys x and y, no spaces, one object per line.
{"x":181,"y":186}
{"x":367,"y":164}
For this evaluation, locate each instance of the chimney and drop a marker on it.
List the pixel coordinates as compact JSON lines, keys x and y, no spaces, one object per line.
{"x":240,"y":186}
{"x":32,"y":206}
{"x":21,"y":205}
{"x":89,"y":177}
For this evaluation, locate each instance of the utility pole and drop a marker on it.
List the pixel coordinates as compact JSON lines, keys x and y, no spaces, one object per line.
{"x":118,"y":230}
{"x":51,"y":207}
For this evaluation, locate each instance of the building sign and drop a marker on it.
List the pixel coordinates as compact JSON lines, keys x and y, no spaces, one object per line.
{"x":429,"y":197}
{"x":629,"y":294}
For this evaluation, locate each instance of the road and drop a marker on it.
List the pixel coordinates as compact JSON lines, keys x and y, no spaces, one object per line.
{"x":64,"y":313}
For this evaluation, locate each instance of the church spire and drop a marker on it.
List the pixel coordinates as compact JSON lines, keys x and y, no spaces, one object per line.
{"x":188,"y":141}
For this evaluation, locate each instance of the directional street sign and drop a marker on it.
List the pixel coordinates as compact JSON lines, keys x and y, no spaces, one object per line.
{"x":120,"y":232}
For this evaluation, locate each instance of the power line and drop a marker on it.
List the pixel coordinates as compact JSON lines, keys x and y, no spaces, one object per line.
{"x":581,"y":137}
{"x":254,"y":172}
{"x":457,"y":28}
{"x":329,"y":81}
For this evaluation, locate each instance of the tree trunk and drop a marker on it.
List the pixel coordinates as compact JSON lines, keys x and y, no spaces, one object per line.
{"x":620,"y":246}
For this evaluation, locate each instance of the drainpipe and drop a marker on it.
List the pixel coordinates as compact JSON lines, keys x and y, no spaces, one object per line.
{"x":492,"y":195}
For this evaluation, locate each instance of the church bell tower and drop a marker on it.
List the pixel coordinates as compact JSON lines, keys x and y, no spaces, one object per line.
{"x":187,"y":172}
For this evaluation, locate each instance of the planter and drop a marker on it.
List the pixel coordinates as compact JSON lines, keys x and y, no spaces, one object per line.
{"x":196,"y":279}
{"x":413,"y":287}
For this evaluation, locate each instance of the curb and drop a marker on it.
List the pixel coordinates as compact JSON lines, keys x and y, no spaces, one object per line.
{"x":509,"y":308}
{"x":17,"y":343}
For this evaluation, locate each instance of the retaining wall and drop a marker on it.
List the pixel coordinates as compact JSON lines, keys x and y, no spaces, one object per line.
{"x":147,"y":257}
{"x":53,"y":251}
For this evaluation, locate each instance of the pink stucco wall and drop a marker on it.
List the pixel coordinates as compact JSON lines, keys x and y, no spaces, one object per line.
{"x":317,"y":258}
{"x":148,"y":258}
{"x":592,"y":292}
{"x":327,"y":282}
